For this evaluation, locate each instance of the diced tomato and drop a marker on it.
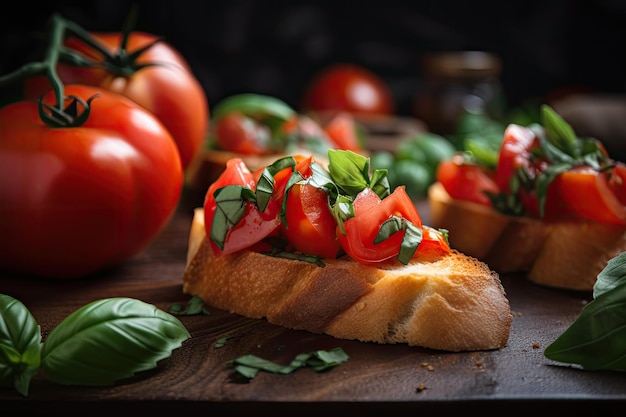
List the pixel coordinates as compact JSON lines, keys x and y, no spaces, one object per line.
{"x":433,"y":242}
{"x":369,"y":213}
{"x":238,"y":133}
{"x":514,"y":153}
{"x":592,"y":195}
{"x":467,"y":182}
{"x":342,"y":130}
{"x":310,"y":227}
{"x":254,"y":225}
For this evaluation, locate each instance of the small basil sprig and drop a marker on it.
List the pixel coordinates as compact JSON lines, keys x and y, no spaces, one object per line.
{"x":98,"y":344}
{"x":596,"y":340}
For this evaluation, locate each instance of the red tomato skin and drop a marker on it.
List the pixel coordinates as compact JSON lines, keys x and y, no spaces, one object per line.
{"x":516,"y":145}
{"x":341,"y":129}
{"x":74,"y":201}
{"x":433,"y":243}
{"x":254,"y":225}
{"x":588,"y":194}
{"x":351,"y":88}
{"x":310,"y":224}
{"x":369,"y":213}
{"x":465,"y":181}
{"x":170,"y":91}
{"x":237,"y":133}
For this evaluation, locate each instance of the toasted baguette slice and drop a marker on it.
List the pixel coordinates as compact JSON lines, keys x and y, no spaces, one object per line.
{"x":566,"y":255}
{"x":452,"y":303}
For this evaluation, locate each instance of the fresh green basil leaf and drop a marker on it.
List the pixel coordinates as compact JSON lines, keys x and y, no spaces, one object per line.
{"x":231,"y":206}
{"x":349,"y":170}
{"x":380,"y":183}
{"x":108,"y":340}
{"x":560,"y":133}
{"x":253,"y":105}
{"x":265,"y":184}
{"x":195,"y":306}
{"x":597,"y":339}
{"x":613,"y":275}
{"x":544,"y":180}
{"x":410,"y":241}
{"x":20,"y":344}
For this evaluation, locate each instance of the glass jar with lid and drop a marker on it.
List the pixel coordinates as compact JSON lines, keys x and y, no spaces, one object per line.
{"x":458,"y":82}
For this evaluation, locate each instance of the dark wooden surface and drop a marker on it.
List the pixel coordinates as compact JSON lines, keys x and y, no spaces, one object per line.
{"x":376,"y":379}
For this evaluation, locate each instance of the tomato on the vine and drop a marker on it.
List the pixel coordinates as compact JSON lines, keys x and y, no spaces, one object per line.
{"x":159,"y":79}
{"x":76,"y":200}
{"x":351,"y":88}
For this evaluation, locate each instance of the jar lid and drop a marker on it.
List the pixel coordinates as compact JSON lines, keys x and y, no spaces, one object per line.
{"x":462,"y":63}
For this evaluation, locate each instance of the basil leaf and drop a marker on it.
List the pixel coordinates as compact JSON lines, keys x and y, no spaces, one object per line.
{"x":254,"y":105}
{"x":230,"y":207}
{"x":597,"y":339}
{"x":20,"y":344}
{"x":108,"y":340}
{"x":349,"y":170}
{"x":321,"y":360}
{"x":410,"y":241}
{"x":558,"y":130}
{"x":613,"y":275}
{"x":265,"y":184}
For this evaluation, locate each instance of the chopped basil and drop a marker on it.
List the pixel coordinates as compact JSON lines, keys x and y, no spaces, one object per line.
{"x":319,"y":361}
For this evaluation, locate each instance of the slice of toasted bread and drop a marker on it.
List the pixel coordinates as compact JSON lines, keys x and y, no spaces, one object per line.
{"x":453,"y":303}
{"x":566,"y":255}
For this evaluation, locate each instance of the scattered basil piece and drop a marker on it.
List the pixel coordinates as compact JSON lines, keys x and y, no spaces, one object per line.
{"x":195,"y":306}
{"x":321,"y":360}
{"x":596,"y":340}
{"x":220,"y":342}
{"x":108,"y":340}
{"x":20,"y":344}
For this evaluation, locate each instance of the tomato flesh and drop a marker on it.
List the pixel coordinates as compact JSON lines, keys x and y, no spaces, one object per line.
{"x":466,"y":182}
{"x":369,"y":213}
{"x":310,"y":225}
{"x":254,"y":225}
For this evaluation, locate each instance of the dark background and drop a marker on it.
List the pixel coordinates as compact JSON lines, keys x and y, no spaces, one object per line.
{"x":274,"y":47}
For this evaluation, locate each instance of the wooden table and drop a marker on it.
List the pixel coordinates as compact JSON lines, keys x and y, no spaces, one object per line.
{"x":376,"y":379}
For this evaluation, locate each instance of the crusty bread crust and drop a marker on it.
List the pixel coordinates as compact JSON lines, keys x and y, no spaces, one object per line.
{"x":565,"y":255}
{"x":452,"y":303}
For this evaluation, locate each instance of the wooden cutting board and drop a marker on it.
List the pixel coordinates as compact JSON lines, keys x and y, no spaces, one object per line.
{"x":376,"y":379}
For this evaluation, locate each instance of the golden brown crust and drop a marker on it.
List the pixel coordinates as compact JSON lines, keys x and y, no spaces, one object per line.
{"x":567,"y":255}
{"x":450,"y":303}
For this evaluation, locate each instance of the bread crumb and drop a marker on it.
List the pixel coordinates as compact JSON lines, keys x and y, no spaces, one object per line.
{"x":479,"y":362}
{"x":426,"y":365}
{"x":420,"y":388}
{"x":519,"y":314}
{"x":536,"y":345}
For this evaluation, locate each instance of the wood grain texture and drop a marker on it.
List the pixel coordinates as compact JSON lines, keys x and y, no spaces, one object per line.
{"x":376,"y":379}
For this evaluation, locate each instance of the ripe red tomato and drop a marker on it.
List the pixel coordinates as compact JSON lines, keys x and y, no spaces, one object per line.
{"x":310,"y":224}
{"x":369,"y":213}
{"x":169,"y":89}
{"x":255,"y":225}
{"x":235,"y":132}
{"x":466,"y":182}
{"x":76,"y":200}
{"x":350,"y":88}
